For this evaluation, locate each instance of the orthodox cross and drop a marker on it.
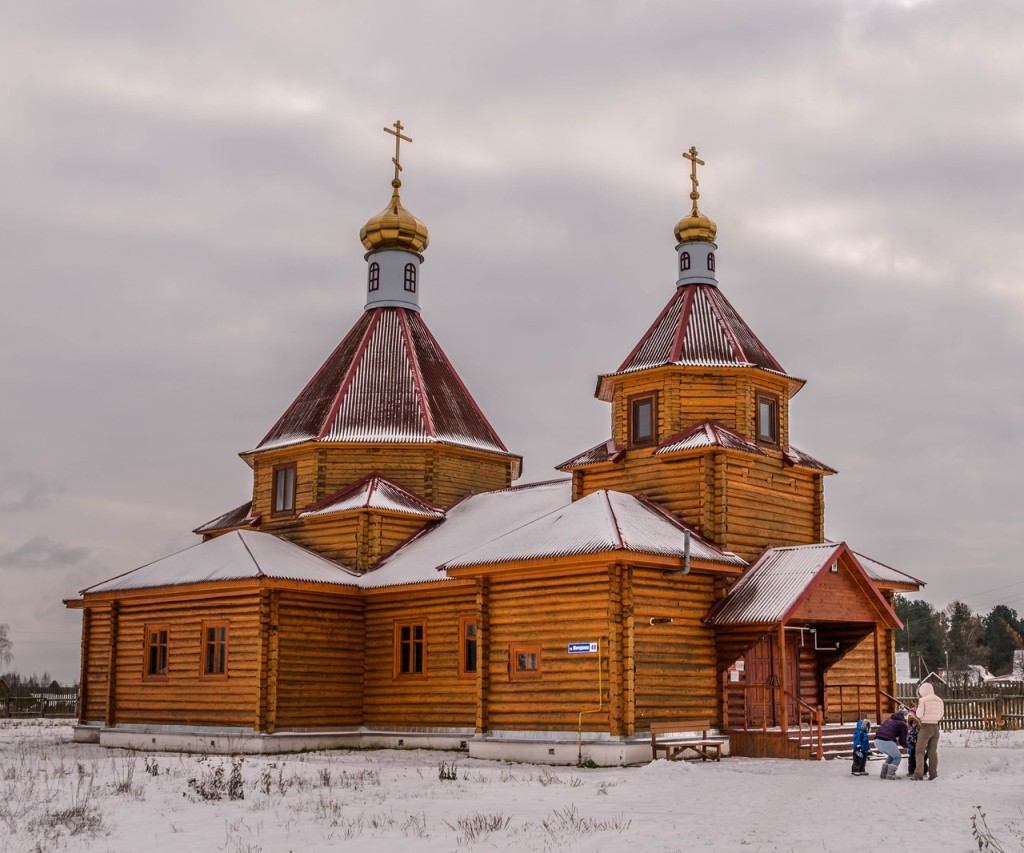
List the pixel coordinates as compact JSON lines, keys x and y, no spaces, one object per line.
{"x":691,"y":155}
{"x":397,"y":133}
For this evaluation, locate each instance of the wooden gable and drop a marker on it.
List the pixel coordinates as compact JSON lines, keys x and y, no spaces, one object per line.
{"x":844,"y":595}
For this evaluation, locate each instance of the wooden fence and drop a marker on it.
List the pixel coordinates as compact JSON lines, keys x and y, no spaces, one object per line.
{"x":985,"y":706}
{"x":38,"y":703}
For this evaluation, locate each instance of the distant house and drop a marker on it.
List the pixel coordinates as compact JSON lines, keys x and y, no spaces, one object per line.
{"x":5,"y":689}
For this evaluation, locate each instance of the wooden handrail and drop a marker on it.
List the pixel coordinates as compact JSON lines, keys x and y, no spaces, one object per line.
{"x":815,"y":715}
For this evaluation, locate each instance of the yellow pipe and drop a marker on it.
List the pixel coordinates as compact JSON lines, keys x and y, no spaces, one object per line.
{"x":597,"y":710}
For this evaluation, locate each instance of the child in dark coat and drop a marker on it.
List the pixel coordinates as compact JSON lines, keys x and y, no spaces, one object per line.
{"x":913,"y":730}
{"x":861,"y":747}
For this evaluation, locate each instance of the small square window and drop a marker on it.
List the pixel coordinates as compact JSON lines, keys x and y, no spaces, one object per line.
{"x":156,"y":651}
{"x":767,"y":418}
{"x":284,"y":490}
{"x":467,"y":645}
{"x":524,"y":662}
{"x":642,"y":415}
{"x":409,"y":648}
{"x":215,"y":650}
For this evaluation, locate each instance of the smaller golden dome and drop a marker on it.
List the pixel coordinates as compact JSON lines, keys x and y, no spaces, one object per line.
{"x":395,"y":228}
{"x":696,"y":226}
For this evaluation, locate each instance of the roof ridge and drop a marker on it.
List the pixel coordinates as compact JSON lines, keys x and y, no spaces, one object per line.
{"x":417,"y":374}
{"x":346,"y":381}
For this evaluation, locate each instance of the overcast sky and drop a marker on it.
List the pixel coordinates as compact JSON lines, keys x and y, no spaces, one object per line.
{"x":182,"y":187}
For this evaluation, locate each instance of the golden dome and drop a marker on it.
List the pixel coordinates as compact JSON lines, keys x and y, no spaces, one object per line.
{"x":394,"y":228}
{"x":696,"y":226}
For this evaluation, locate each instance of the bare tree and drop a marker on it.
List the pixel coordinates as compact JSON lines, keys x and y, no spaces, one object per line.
{"x":6,"y":653}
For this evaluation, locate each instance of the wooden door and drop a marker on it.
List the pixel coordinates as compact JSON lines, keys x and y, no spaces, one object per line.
{"x":760,"y":679}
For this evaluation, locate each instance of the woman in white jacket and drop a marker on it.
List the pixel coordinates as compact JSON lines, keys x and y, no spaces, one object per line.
{"x":930,"y":709}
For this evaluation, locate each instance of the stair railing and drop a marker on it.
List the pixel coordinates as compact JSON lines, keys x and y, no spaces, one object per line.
{"x":814,"y":717}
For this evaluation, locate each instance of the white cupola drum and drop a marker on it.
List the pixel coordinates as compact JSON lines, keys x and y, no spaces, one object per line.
{"x":695,"y":234}
{"x":395,"y":240}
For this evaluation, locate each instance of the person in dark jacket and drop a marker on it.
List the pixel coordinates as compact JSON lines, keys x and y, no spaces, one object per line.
{"x":889,"y":737}
{"x":861,"y":747}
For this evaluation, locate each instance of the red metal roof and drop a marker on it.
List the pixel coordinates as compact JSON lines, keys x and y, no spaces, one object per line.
{"x":388,"y":381}
{"x":374,"y":492}
{"x":793,"y":456}
{"x":706,"y":434}
{"x":700,"y":328}
{"x":606,"y":451}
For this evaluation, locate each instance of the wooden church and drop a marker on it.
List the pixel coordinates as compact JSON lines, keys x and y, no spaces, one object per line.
{"x":388,"y":585}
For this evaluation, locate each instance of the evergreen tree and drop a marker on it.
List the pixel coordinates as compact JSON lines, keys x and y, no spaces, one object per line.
{"x":923,"y":635}
{"x":964,"y":642}
{"x":1002,"y":634}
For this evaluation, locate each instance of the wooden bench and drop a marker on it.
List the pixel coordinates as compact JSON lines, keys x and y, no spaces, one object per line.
{"x":675,"y":745}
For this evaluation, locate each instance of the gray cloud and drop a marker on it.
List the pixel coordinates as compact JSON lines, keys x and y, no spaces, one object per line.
{"x":23,"y":491}
{"x":42,"y":552}
{"x":183,"y":188}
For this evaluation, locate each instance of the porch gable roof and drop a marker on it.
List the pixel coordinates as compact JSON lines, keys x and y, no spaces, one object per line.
{"x":772,"y":590}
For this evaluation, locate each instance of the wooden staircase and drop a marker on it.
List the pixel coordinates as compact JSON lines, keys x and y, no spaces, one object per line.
{"x":836,"y":742}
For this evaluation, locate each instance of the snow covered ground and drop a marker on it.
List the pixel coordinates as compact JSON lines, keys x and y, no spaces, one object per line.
{"x":56,"y":795}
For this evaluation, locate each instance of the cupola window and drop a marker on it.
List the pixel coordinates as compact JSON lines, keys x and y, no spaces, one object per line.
{"x":374,"y":276}
{"x":410,"y":278}
{"x":711,"y":261}
{"x":767,"y":418}
{"x":642,"y":418}
{"x":684,"y":261}
{"x":284,"y":490}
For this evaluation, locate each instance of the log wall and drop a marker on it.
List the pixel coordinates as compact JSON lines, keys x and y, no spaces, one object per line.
{"x":184,"y":695}
{"x":357,"y":539}
{"x":319,"y":681}
{"x":687,"y":396}
{"x":564,"y":609}
{"x":95,"y":677}
{"x":741,"y":502}
{"x":676,"y":673}
{"x":437,"y":697}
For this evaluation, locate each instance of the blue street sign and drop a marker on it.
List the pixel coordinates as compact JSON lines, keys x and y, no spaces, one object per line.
{"x":582,"y":648}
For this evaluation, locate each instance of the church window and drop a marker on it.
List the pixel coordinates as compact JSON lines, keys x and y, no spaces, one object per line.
{"x":410,"y":277}
{"x":156,"y":650}
{"x":374,"y":276}
{"x":642,"y":417}
{"x":467,"y":645}
{"x":767,"y":418}
{"x":523,"y":662}
{"x":711,"y":261}
{"x":409,"y":648}
{"x":684,"y":261}
{"x":284,"y":489}
{"x":215,"y":649}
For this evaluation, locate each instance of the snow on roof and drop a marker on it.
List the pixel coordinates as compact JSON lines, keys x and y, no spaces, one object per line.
{"x":699,"y":327}
{"x":387,"y":381}
{"x":374,"y":492}
{"x":881,"y":572}
{"x":602,"y":521}
{"x":606,"y":451}
{"x":232,"y":518}
{"x":771,"y":586}
{"x":797,"y":457}
{"x":706,"y":434}
{"x":239,"y":555}
{"x":469,"y":524}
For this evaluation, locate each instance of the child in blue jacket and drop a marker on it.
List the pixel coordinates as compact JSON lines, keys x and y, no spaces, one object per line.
{"x":861,"y":747}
